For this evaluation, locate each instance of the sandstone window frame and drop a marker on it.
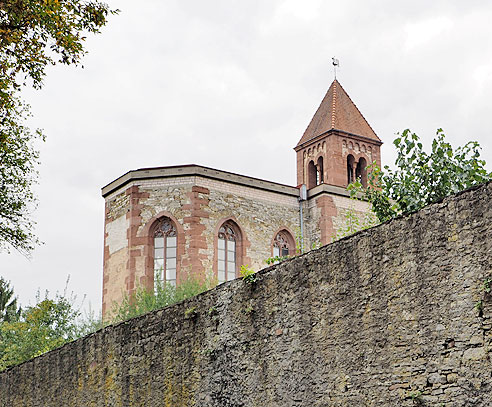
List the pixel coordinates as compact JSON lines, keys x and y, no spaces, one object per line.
{"x":165,"y":250}
{"x":228,"y":242}
{"x":146,"y":238}
{"x":283,"y":239}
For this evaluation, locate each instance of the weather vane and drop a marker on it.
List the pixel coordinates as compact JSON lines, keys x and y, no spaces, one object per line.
{"x":335,"y":63}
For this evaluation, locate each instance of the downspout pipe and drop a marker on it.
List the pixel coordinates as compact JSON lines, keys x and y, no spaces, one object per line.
{"x":302,"y":197}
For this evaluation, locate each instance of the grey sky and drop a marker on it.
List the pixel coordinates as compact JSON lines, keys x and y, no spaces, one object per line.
{"x":233,"y":85}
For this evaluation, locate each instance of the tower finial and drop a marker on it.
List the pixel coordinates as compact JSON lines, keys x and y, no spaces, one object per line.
{"x":335,"y":63}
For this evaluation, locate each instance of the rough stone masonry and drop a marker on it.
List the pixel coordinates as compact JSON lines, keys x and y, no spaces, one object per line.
{"x":399,"y":315}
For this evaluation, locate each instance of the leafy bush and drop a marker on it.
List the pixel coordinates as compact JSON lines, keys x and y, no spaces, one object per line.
{"x":276,"y":259}
{"x":33,"y":35}
{"x":144,"y":300}
{"x":421,"y":178}
{"x":42,"y":327}
{"x":52,"y":322}
{"x":354,"y":222}
{"x":247,"y":274}
{"x":9,"y":311}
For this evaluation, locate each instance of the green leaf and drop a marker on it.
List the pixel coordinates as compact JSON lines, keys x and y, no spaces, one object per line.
{"x":420,"y":178}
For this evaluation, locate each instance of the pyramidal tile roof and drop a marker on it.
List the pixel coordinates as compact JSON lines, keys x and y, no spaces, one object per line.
{"x":337,"y":112}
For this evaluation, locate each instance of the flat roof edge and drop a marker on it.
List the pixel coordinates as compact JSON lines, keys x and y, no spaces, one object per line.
{"x":329,"y":189}
{"x":197,"y":170}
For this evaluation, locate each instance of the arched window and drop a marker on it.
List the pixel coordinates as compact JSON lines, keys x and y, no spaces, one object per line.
{"x":361,"y":171}
{"x":283,"y":244}
{"x":165,"y":245}
{"x":312,"y":175}
{"x":350,"y":169}
{"x":227,"y":252}
{"x":319,"y":172}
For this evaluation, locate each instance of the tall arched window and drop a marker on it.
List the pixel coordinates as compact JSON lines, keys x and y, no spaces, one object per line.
{"x":165,"y":245}
{"x":361,"y":171}
{"x":283,"y":244}
{"x":350,"y":169}
{"x":319,"y":172}
{"x":227,"y":252}
{"x":312,"y":175}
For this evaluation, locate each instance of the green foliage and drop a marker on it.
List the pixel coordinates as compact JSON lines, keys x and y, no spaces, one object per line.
{"x":144,"y":300}
{"x":249,"y":309}
{"x":9,"y":311}
{"x":276,"y":259}
{"x":422,"y":178}
{"x":416,"y":397}
{"x":18,"y":158}
{"x":300,"y":247}
{"x":89,"y":323}
{"x":33,"y":35}
{"x":354,"y":222}
{"x":247,"y":274}
{"x":34,"y":330}
{"x":190,"y":312}
{"x":486,"y":285}
{"x":485,"y":294}
{"x":40,"y":328}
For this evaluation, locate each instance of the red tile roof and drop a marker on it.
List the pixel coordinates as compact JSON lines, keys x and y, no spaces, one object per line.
{"x":338,"y":112}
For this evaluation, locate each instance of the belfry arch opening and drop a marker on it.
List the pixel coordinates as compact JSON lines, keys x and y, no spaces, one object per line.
{"x":319,"y":171}
{"x":361,"y":171}
{"x":350,"y":169}
{"x":315,"y":173}
{"x":312,"y":174}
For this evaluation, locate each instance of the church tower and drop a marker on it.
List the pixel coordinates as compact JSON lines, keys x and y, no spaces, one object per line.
{"x":338,"y":144}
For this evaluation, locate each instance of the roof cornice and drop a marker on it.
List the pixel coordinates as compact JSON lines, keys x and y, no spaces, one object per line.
{"x":340,"y":133}
{"x":196,"y":170}
{"x":330,"y":190}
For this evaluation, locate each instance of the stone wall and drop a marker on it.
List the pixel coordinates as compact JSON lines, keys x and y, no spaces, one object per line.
{"x":398,"y":315}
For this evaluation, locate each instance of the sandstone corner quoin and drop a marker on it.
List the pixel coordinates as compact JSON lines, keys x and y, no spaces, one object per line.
{"x":388,"y":317}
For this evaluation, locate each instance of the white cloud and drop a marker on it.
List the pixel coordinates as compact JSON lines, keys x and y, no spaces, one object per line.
{"x":422,"y":32}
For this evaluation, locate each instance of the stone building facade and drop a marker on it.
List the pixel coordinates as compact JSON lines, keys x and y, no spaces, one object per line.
{"x":168,"y":223}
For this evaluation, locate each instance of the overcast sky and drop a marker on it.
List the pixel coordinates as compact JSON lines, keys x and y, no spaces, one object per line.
{"x":233,"y":85}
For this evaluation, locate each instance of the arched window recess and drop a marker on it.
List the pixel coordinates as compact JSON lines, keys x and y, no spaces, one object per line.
{"x":315,"y":173}
{"x":319,"y":171}
{"x":361,"y":171}
{"x":350,"y":169}
{"x":312,"y":175}
{"x":228,"y":243}
{"x":283,"y":245}
{"x":165,"y":247}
